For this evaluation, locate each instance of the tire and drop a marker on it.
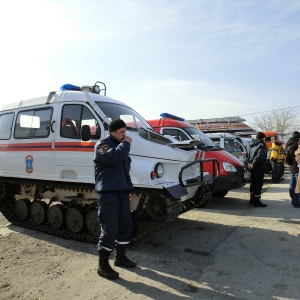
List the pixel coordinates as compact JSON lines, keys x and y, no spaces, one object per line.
{"x":75,"y":219}
{"x":38,"y":212}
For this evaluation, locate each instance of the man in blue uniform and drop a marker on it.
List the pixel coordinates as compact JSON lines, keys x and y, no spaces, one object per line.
{"x":256,"y":163}
{"x":114,"y":188}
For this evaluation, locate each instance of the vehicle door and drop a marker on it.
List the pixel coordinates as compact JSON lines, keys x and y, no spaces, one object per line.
{"x":74,"y":157}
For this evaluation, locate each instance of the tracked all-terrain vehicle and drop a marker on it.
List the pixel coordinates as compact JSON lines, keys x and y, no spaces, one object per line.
{"x":47,"y":172}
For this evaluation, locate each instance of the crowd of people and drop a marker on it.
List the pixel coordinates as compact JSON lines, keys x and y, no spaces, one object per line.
{"x":114,"y":187}
{"x":256,"y":161}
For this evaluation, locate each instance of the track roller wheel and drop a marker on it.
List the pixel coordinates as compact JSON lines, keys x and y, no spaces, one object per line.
{"x":156,"y":208}
{"x":56,"y":216}
{"x":22,"y":209}
{"x":92,"y":223}
{"x":75,"y":219}
{"x":38,"y":212}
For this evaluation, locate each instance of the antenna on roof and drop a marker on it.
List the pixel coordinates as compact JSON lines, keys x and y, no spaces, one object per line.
{"x":105,"y":66}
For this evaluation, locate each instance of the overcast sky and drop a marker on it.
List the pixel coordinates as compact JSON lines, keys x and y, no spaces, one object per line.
{"x":192,"y":58}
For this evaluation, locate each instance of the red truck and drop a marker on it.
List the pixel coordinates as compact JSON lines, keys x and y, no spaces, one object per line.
{"x":232,"y":172}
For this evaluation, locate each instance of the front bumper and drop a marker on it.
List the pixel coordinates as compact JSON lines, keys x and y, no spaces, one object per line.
{"x":202,"y":178}
{"x":233,"y":180}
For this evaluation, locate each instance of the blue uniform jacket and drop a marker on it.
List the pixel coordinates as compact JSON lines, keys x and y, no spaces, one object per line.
{"x":257,"y":155}
{"x":112,"y":166}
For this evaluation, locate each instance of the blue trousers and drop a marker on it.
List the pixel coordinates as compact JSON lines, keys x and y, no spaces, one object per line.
{"x":115,"y":220}
{"x":293,"y":182}
{"x":257,"y":181}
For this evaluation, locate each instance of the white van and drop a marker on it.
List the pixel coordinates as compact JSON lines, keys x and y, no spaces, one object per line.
{"x":230,"y":142}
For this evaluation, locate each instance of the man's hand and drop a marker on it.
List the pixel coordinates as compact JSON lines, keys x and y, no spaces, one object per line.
{"x":250,"y":166}
{"x":130,"y":197}
{"x":127,"y":139}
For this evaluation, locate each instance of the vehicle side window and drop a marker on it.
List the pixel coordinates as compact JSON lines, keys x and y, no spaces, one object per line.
{"x":6,"y":126}
{"x":89,"y":119}
{"x":172,"y":132}
{"x":217,"y":143}
{"x":177,"y":134}
{"x":228,"y":144}
{"x":238,"y":146}
{"x":183,"y":136}
{"x":268,"y":139}
{"x":70,"y":121}
{"x":74,"y":117}
{"x":45,"y":120}
{"x":33,"y":123}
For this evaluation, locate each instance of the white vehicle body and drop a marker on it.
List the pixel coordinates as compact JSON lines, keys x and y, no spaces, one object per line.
{"x":230,"y":142}
{"x":40,"y":141}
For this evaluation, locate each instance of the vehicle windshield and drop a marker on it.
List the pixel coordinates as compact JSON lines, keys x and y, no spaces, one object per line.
{"x":197,"y":134}
{"x":127,"y":114}
{"x":280,"y":138}
{"x":233,"y":145}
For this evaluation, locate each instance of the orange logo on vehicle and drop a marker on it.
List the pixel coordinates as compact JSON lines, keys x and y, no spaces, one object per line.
{"x":29,"y":163}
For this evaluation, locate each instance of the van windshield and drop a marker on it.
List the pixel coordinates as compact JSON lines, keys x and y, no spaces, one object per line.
{"x":280,"y":138}
{"x":197,"y":134}
{"x":127,"y":114}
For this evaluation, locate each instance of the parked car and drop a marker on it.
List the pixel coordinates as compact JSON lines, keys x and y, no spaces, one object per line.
{"x":232,"y":172}
{"x":230,"y":142}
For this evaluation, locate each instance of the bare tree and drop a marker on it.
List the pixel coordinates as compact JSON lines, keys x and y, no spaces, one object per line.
{"x":283,"y":121}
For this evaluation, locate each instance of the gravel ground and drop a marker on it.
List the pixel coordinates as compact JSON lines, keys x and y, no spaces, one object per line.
{"x":228,"y":250}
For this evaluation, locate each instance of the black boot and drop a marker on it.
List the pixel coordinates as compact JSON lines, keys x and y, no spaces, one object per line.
{"x":251,"y":201}
{"x":122,"y":260}
{"x":257,"y":202}
{"x":105,"y":270}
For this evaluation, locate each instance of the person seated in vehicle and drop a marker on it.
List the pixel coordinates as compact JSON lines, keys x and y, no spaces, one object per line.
{"x":68,"y":128}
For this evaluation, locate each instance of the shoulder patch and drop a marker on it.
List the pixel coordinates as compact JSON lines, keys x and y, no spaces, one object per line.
{"x":104,"y":148}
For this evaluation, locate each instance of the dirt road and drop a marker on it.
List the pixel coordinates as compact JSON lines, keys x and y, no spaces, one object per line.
{"x":228,"y":250}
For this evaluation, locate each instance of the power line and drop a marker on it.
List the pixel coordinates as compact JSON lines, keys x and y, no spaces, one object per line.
{"x":269,"y":111}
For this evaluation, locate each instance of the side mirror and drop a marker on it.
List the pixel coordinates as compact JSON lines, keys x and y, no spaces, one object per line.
{"x":85,"y":133}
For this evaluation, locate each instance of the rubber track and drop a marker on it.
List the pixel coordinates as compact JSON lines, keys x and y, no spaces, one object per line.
{"x":7,"y":209}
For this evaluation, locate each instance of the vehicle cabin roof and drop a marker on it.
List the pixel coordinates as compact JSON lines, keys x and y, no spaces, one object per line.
{"x":65,"y":96}
{"x":270,"y":133}
{"x":219,"y":135}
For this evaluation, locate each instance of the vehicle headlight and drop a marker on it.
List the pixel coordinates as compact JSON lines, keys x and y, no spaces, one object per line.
{"x":159,"y":170}
{"x":228,"y":167}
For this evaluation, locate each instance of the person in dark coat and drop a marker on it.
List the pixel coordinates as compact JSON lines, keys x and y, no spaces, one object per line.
{"x":114,"y":188}
{"x":256,"y":163}
{"x":292,"y":146}
{"x":294,"y":134}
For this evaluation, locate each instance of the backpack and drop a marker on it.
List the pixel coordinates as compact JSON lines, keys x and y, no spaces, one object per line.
{"x":289,"y":159}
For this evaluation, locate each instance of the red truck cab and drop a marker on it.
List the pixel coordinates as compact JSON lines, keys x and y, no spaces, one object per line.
{"x":271,"y":137}
{"x":232,"y":172}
